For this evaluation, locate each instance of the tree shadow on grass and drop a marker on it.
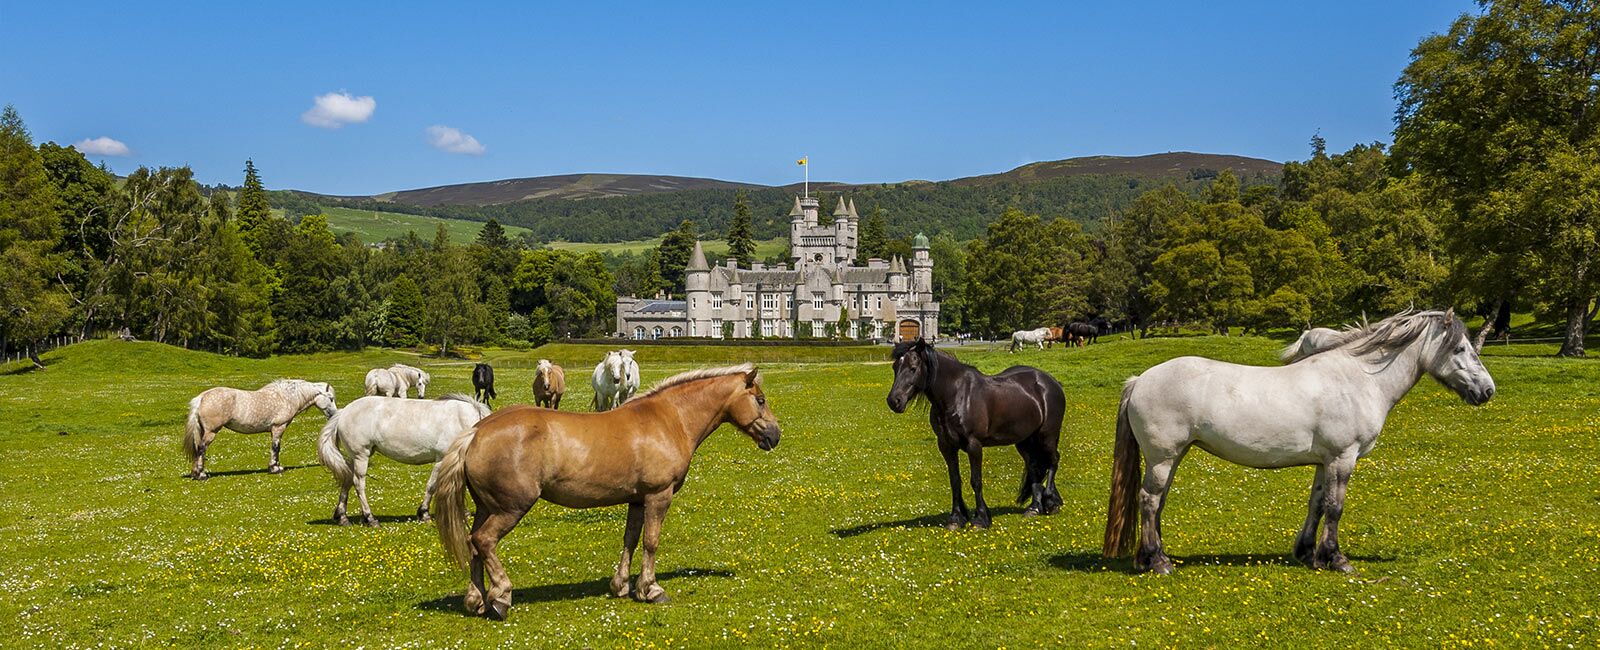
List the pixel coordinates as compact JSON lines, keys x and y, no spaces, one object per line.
{"x":1091,"y":562}
{"x":566,"y":591}
{"x":926,"y":521}
{"x":262,"y":470}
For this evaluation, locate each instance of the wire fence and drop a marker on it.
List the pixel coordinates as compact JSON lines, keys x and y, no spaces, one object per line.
{"x":10,"y":355}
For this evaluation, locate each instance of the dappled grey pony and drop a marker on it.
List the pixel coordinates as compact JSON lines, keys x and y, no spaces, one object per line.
{"x":1325,"y":409}
{"x":615,"y":380}
{"x":411,"y":431}
{"x":1021,"y":338}
{"x":269,"y":408}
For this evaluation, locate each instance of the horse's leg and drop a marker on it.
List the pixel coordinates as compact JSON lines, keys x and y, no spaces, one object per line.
{"x":277,"y":443}
{"x":199,"y":472}
{"x":958,"y":508}
{"x":1032,"y":472}
{"x":358,"y":463}
{"x":1327,"y":555}
{"x":655,"y":510}
{"x":339,"y":509}
{"x":475,"y":590}
{"x":980,"y":516}
{"x":1306,"y":542}
{"x":427,"y":495}
{"x":1152,"y":495}
{"x":484,"y":541}
{"x":630,"y":541}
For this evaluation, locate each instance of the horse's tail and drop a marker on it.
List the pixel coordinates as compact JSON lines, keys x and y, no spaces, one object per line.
{"x":1122,"y":521}
{"x":193,"y":431}
{"x":328,"y":452}
{"x":450,"y":498}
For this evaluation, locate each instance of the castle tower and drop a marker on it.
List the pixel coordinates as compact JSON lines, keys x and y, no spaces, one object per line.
{"x":842,"y":251}
{"x":697,"y":286}
{"x":897,"y":275}
{"x":921,"y":269}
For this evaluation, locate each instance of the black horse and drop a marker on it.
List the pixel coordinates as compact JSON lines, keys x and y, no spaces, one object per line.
{"x":1021,"y":406}
{"x":1086,"y":333}
{"x":483,"y":382}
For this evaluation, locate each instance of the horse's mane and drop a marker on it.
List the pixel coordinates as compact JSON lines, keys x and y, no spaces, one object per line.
{"x":285,"y":384}
{"x":1389,"y":335}
{"x":456,"y":397}
{"x":693,"y":375}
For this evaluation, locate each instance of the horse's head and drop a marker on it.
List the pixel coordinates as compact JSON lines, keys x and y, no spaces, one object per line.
{"x":323,"y":398}
{"x":543,"y":370}
{"x":1449,"y":357}
{"x":749,"y":411}
{"x":612,"y":367}
{"x":422,"y":383}
{"x":913,"y":369}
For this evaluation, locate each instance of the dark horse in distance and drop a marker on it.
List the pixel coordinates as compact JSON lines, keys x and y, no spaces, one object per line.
{"x":483,"y":382}
{"x":969,"y":410}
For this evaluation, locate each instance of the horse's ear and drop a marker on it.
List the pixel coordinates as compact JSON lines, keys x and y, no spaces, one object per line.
{"x":1450,"y":313}
{"x":752,"y":378}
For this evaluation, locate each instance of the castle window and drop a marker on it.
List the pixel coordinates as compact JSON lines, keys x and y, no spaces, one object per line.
{"x":656,"y":334}
{"x":818,"y":257}
{"x":749,"y":302}
{"x":693,"y":303}
{"x":716,"y":328}
{"x":816,"y":301}
{"x":677,"y":331}
{"x":716,"y":301}
{"x":638,"y":333}
{"x":880,"y":303}
{"x":766,"y":328}
{"x":769,"y":301}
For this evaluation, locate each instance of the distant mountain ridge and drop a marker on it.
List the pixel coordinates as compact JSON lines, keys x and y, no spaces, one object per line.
{"x":1181,"y":165}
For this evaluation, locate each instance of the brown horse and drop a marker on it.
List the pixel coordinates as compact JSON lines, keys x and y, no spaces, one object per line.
{"x":549,"y":384}
{"x":637,"y":454}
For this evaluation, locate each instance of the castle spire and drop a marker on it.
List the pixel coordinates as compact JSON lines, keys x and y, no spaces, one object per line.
{"x":854,"y":216}
{"x":795,"y":212}
{"x":841,"y":211}
{"x":697,"y":259}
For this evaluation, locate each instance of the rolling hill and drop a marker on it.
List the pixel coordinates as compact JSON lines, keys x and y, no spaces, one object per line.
{"x":566,"y":186}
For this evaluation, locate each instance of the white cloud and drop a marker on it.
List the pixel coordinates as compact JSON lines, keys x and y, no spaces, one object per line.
{"x":450,"y":139}
{"x":103,"y":146}
{"x":333,"y":110}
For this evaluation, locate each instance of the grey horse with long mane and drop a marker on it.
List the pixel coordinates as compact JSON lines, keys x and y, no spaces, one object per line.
{"x":269,"y":408}
{"x":1324,"y":409}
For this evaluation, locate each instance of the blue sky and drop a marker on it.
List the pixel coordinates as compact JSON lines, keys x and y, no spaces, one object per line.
{"x":870,"y":91}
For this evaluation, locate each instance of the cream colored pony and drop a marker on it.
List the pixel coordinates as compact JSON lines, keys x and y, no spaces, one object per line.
{"x":385,"y":382}
{"x":270,"y":408}
{"x":412,"y":377}
{"x":410,"y":431}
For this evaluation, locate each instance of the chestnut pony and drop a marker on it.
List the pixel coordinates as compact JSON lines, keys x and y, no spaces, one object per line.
{"x":637,"y":453}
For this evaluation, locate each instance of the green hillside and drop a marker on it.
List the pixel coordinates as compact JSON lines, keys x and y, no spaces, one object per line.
{"x":374,"y":226}
{"x":715,"y":249}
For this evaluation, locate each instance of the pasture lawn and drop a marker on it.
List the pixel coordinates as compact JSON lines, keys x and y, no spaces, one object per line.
{"x":1468,"y":526}
{"x":373,"y":227}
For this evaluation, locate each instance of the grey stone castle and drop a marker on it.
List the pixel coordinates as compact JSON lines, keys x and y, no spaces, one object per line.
{"x":885,"y":299}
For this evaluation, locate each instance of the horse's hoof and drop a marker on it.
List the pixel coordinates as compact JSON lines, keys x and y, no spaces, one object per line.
{"x":498,"y":610}
{"x":1336,"y":563}
{"x":274,"y":469}
{"x":201,"y":476}
{"x":342,"y":521}
{"x":370,"y":522}
{"x":981,"y":521}
{"x":955,"y":524}
{"x":423,"y":515}
{"x":655,"y":595}
{"x":620,"y":592}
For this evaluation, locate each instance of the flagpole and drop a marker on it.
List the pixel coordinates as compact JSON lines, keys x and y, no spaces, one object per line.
{"x":808,"y":175}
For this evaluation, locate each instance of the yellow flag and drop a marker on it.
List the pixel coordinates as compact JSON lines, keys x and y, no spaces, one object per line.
{"x":802,"y":161}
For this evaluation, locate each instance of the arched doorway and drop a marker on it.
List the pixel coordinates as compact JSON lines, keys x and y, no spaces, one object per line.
{"x":910,"y":329}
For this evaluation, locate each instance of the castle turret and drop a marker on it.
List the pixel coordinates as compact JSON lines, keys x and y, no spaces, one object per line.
{"x":697,"y":286}
{"x":921,"y":269}
{"x":843,"y":252}
{"x":897,"y":276}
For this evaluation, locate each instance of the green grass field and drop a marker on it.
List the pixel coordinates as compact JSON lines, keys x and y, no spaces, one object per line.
{"x":378,"y":226}
{"x":1468,"y":526}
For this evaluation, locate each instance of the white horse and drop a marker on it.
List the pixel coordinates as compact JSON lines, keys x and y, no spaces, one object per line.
{"x":414,"y":432}
{"x":412,"y":377}
{"x":386,"y":382}
{"x":269,"y":408}
{"x":1325,"y":410}
{"x":1037,"y":337}
{"x":1312,"y":341}
{"x":615,"y":380}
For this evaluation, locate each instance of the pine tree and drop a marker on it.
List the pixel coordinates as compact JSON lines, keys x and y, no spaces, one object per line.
{"x":673,"y":254}
{"x":254,"y":210}
{"x":32,"y":304}
{"x":741,"y":241}
{"x":493,"y":235}
{"x":404,"y":313}
{"x":873,"y":240}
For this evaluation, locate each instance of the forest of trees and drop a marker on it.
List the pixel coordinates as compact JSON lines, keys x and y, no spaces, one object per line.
{"x":1486,"y":202}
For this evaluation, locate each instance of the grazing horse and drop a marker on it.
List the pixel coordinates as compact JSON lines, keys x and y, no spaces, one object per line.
{"x":413,"y":377}
{"x":414,"y":432}
{"x":1311,"y":341}
{"x":616,"y":379}
{"x":549,"y":385}
{"x":483,"y":383}
{"x":1082,"y":333}
{"x":969,"y":410}
{"x":1326,"y":409}
{"x":383,"y":381}
{"x":1037,"y":337}
{"x":269,"y":408}
{"x":636,"y":454}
